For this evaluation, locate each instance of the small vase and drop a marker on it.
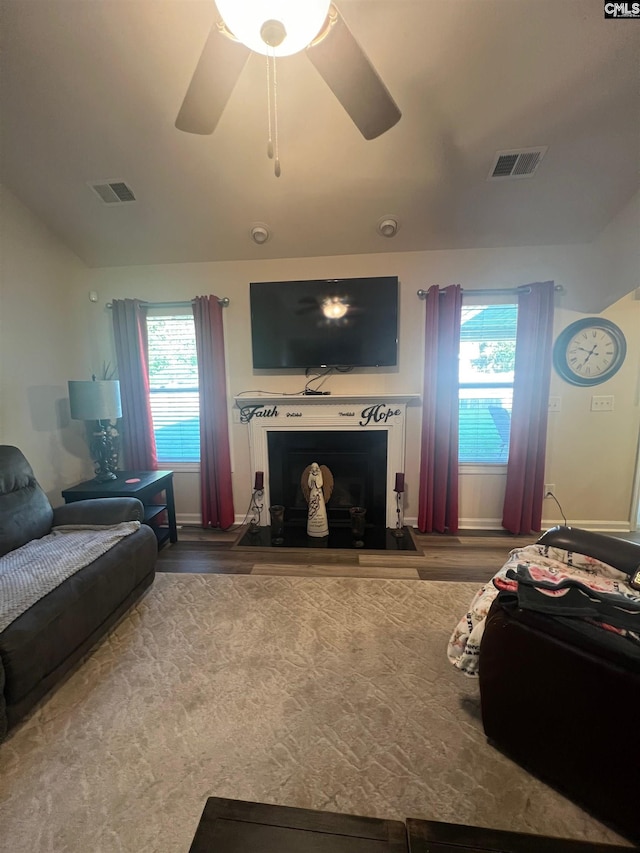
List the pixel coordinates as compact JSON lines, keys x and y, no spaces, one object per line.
{"x":277,"y":524}
{"x":357,"y":514}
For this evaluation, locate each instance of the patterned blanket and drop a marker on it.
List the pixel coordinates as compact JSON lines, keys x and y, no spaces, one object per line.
{"x":34,"y":570}
{"x":550,"y":580}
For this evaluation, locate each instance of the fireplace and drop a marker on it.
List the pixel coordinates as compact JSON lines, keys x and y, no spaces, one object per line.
{"x":357,"y":461}
{"x":361,"y":439}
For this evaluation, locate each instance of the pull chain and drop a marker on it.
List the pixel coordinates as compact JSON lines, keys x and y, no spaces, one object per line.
{"x":276,"y":167}
{"x":270,"y":142}
{"x":272,"y":109}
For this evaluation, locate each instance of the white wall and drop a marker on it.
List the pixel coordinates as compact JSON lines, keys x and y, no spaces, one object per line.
{"x":591,"y":456}
{"x":50,"y":332}
{"x":41,"y":347}
{"x":616,"y":261}
{"x":481,"y":496}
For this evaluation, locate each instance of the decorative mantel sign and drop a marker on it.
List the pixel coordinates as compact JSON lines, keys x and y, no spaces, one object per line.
{"x":321,"y":413}
{"x":374,"y":414}
{"x":379,"y":413}
{"x":257,"y":411}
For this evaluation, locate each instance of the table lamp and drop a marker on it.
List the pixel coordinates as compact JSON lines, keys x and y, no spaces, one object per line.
{"x":99,"y":401}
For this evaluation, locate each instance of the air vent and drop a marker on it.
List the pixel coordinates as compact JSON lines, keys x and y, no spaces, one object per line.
{"x":113,"y":192}
{"x":520,"y":163}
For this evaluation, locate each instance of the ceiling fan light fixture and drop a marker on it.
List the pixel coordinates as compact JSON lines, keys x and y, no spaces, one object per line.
{"x":334,"y":307}
{"x":301,"y":21}
{"x":387,"y":226}
{"x":259,"y":233}
{"x":273,"y":33}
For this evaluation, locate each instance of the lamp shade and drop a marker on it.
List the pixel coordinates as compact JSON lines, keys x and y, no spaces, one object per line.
{"x":95,"y":401}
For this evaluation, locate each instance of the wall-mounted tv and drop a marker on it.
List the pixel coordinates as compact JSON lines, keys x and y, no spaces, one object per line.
{"x":344,"y":322}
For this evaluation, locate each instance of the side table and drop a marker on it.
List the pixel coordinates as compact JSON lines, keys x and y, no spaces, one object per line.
{"x":144,"y":485}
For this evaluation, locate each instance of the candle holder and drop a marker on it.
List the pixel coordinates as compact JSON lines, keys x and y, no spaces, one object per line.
{"x":257,"y":503}
{"x":399,"y":490}
{"x":399,"y":528}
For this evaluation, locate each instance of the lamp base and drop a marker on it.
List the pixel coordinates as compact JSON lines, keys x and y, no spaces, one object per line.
{"x":104,"y":477}
{"x":104,"y":450}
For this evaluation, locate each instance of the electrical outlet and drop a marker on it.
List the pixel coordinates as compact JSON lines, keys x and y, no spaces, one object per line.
{"x":554,"y":404}
{"x":602,"y":404}
{"x":549,"y":488}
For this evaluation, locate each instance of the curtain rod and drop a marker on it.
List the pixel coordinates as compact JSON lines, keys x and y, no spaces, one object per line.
{"x":558,"y":288}
{"x":224,"y":301}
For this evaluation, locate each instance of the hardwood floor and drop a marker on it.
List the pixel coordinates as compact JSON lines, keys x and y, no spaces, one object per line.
{"x":472,"y":557}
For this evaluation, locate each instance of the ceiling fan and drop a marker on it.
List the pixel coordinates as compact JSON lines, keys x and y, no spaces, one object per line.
{"x":329,"y":44}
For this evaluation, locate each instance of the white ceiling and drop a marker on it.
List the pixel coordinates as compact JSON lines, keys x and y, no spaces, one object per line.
{"x":91,"y":89}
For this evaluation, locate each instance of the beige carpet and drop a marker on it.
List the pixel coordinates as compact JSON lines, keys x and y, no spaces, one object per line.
{"x":323,"y":693}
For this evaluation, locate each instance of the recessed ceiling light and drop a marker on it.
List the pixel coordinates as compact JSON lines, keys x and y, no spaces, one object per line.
{"x":259,"y":233}
{"x":388,"y":226}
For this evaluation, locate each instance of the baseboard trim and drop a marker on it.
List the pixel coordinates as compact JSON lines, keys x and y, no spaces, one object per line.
{"x":488,"y":524}
{"x":189,"y":519}
{"x":480,"y":524}
{"x":596,"y":525}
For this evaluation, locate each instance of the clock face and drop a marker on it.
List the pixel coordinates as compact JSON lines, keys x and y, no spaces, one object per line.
{"x":589,"y":351}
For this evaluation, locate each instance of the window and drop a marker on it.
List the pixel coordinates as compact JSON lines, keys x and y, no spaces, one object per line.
{"x":173,"y":386}
{"x":487,"y":360}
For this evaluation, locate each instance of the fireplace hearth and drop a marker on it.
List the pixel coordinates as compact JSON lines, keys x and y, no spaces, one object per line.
{"x":376,"y":538}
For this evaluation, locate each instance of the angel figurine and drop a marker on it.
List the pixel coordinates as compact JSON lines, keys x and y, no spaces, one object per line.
{"x":317,"y":485}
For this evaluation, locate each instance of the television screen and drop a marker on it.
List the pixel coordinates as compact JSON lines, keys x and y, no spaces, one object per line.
{"x":348,"y":322}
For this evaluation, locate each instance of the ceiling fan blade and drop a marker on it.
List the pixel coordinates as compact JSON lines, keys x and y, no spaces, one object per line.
{"x":349,"y":74}
{"x":221,"y":61}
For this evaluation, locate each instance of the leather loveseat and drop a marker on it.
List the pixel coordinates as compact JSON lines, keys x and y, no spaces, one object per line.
{"x":560,"y":695}
{"x":44,"y":642}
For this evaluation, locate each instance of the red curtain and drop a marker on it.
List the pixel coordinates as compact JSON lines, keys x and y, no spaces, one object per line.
{"x":215,"y":458}
{"x":522,"y":512}
{"x":438,"y":504}
{"x":130,"y":331}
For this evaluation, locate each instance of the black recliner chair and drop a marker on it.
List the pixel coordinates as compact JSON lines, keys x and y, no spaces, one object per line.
{"x":561,"y":696}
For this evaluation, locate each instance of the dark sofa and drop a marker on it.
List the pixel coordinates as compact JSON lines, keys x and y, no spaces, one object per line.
{"x":43,"y":644}
{"x":560,"y":696}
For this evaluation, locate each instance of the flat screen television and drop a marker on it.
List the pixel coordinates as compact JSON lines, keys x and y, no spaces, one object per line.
{"x":344,"y":322}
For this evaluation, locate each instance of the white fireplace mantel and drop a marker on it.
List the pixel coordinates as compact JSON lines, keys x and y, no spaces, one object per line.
{"x":267,"y":413}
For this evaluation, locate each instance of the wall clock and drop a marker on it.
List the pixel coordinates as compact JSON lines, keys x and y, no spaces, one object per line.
{"x":589,"y":351}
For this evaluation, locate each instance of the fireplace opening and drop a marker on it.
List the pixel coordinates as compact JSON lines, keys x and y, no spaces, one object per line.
{"x":356,"y":459}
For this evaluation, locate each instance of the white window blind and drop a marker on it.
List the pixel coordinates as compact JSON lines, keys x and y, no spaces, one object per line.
{"x":487,"y":360}
{"x":173,"y":387}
